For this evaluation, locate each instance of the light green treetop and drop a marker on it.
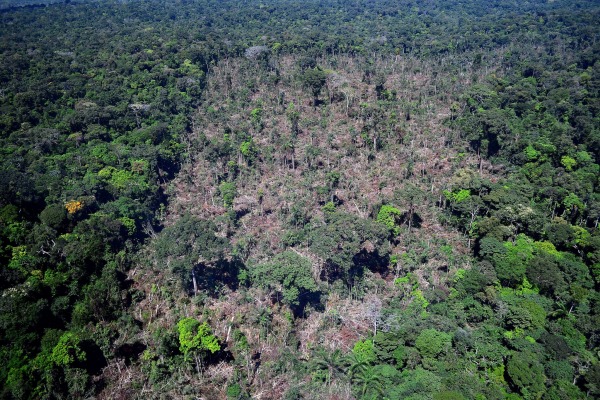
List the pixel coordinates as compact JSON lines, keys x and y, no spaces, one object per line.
{"x":67,"y":350}
{"x":195,"y":337}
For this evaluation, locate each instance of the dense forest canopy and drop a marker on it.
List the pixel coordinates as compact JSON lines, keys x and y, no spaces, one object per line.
{"x":300,"y":199}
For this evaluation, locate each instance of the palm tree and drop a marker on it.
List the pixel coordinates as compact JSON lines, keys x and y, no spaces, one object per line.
{"x":332,"y":362}
{"x":356,"y":363}
{"x":370,"y":380}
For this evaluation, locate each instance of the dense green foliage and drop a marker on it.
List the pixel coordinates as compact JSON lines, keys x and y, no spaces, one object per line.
{"x":291,"y":274}
{"x":316,"y":199}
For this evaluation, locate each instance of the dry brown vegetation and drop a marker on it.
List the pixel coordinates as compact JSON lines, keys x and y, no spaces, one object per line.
{"x":288,"y":172}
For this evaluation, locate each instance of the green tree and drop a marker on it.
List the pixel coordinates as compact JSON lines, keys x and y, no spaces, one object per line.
{"x":293,"y":116}
{"x":573,"y":205}
{"x":416,"y":384}
{"x":188,"y":243}
{"x":347,"y":244}
{"x":228,"y":192}
{"x":431,"y":342}
{"x":289,"y":273}
{"x":510,"y":259}
{"x":195,"y":340}
{"x":67,"y":350}
{"x":314,"y":80}
{"x":364,"y":351}
{"x":526,"y":375}
{"x":54,"y":216}
{"x":389,"y":215}
{"x":411,"y":197}
{"x":568,"y":162}
{"x":256,"y":118}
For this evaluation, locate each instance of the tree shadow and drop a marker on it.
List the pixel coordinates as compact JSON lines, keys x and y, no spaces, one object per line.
{"x":130,"y":351}
{"x":318,"y":102}
{"x":211,"y":278}
{"x":374,"y":261}
{"x":312,"y":299}
{"x":95,"y":361}
{"x":223,"y":355}
{"x":371,"y":260}
{"x":416,"y":219}
{"x":332,"y":272}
